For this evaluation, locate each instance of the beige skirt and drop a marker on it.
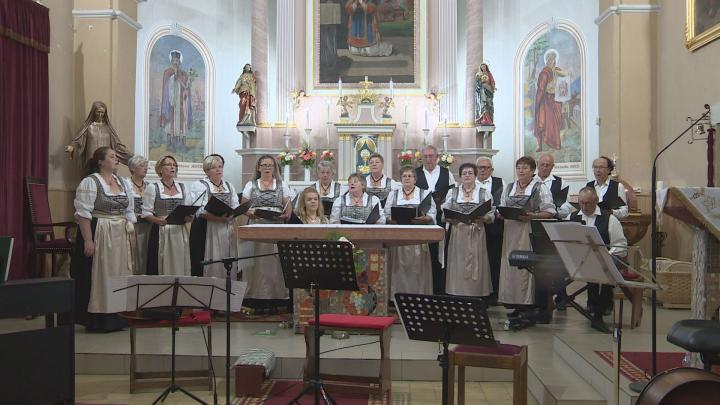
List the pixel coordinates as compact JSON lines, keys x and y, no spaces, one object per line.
{"x":468,"y":267}
{"x":140,"y":247}
{"x":112,"y":258}
{"x":517,"y":286}
{"x":174,"y":251}
{"x":410,"y":270}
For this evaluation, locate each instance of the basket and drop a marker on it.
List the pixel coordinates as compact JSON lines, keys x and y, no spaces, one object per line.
{"x":675,"y":279}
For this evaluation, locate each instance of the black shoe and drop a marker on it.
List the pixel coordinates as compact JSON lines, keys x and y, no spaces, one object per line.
{"x":608,"y":309}
{"x":598,"y":324}
{"x":560,"y":303}
{"x":514,"y":314}
{"x":536,"y":315}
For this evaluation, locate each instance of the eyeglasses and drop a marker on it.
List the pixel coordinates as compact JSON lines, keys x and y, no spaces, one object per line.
{"x":267,"y":165}
{"x":470,"y":173}
{"x":600,"y":167}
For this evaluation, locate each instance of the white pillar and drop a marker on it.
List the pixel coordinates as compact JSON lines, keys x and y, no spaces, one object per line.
{"x":447,"y":58}
{"x":474,"y":53}
{"x":259,"y":56}
{"x":284,"y":56}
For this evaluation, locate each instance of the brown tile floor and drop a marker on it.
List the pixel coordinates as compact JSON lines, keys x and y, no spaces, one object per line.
{"x":113,"y":389}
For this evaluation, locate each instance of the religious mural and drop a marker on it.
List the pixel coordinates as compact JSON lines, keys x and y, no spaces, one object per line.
{"x":703,"y":23}
{"x":177,"y":80}
{"x":379,"y":39}
{"x":552,"y":98}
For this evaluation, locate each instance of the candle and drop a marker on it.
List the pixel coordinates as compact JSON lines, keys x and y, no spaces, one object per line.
{"x":307,"y":118}
{"x":327,"y":102}
{"x":287,"y":122}
{"x":406,"y":107}
{"x":426,"y":119}
{"x":391,"y":88}
{"x":366,"y":78}
{"x":340,"y":86}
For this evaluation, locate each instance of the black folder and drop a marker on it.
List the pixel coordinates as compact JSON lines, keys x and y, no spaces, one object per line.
{"x":177,"y":216}
{"x":511,"y":212}
{"x":405,"y":215}
{"x":217,"y":207}
{"x":371,"y":219}
{"x":470,"y":217}
{"x":294,"y":219}
{"x":613,"y":204}
{"x":327,"y":206}
{"x":266,"y":213}
{"x":561,"y":197}
{"x":439,"y":195}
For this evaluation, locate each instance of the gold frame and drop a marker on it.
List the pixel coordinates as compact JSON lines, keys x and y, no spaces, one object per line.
{"x":694,"y":42}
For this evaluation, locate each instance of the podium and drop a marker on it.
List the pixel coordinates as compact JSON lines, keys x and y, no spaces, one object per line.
{"x":372,"y":240}
{"x":695,"y":207}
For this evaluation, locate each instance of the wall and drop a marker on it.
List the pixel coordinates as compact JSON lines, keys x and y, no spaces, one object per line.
{"x":506,"y":24}
{"x":225,"y":28}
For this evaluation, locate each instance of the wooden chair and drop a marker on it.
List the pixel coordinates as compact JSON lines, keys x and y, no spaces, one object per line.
{"x":358,"y":324}
{"x":43,"y":228}
{"x":507,"y":357}
{"x":155,"y":379}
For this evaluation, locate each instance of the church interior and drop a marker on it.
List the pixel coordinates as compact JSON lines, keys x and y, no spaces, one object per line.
{"x":477,"y":201}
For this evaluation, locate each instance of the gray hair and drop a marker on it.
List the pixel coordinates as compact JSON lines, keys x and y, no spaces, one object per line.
{"x":325,"y":165}
{"x":136,"y":161}
{"x":432,"y":148}
{"x":489,"y":159}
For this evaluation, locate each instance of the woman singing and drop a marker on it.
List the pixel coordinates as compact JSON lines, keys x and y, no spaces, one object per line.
{"x":356,"y":204}
{"x":379,"y":185}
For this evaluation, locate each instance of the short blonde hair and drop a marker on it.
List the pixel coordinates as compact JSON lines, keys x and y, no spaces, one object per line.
{"x":211,"y":161}
{"x":160,"y":162}
{"x":361,"y":178}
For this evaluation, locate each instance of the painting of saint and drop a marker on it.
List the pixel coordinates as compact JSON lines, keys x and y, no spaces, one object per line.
{"x":176,"y":100}
{"x":379,"y":39}
{"x":552,"y":76}
{"x":703,"y":23}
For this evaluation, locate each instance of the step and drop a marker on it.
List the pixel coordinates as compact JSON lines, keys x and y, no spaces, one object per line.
{"x":553,"y":382}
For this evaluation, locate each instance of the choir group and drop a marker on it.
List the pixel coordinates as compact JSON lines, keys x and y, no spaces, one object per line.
{"x":123,"y":227}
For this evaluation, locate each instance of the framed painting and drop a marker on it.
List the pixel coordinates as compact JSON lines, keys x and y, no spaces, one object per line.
{"x":550,"y":82}
{"x":179,"y":80}
{"x":703,"y":23}
{"x":377,"y":39}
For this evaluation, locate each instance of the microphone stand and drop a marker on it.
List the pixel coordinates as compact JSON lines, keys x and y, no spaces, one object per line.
{"x":638,"y":386}
{"x":227,"y":263}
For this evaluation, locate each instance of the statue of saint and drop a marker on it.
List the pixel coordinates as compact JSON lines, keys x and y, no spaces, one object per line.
{"x":484,"y":93}
{"x":344,"y":102}
{"x":246,"y":88}
{"x":96,"y":132}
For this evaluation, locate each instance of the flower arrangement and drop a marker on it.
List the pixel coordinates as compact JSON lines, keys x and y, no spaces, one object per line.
{"x":446,"y":159}
{"x":285,"y":158}
{"x":406,"y":157}
{"x":307,"y":157}
{"x":327,"y":156}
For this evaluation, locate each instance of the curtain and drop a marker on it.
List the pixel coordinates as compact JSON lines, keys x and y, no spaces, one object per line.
{"x":24,"y":112}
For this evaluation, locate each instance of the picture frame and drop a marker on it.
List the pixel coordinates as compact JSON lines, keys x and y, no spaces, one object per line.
{"x":702,"y":23}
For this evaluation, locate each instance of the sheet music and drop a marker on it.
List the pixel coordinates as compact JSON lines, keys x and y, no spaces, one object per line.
{"x":132,"y":292}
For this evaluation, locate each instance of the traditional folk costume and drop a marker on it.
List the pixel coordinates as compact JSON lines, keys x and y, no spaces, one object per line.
{"x":212,"y":239}
{"x":386,"y":185}
{"x":494,"y":231}
{"x":264,"y":275}
{"x":142,"y":229}
{"x":608,"y":191}
{"x":168,"y":249}
{"x":410,"y":267}
{"x":111,"y":221}
{"x":342,"y":208}
{"x":517,"y":286}
{"x":468,"y":266}
{"x":329,"y":195}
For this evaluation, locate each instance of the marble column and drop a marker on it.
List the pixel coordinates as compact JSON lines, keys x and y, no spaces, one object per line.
{"x":447,"y":58}
{"x":474,"y":54}
{"x":259,"y":56}
{"x":285,"y":57}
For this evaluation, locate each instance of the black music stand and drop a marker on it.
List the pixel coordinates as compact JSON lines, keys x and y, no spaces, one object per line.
{"x":445,"y":319}
{"x":175,"y":293}
{"x":317,"y":264}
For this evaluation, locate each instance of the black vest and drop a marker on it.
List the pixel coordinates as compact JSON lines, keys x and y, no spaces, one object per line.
{"x":612,"y":190}
{"x":602,"y":223}
{"x":556,"y":186}
{"x":496,"y":189}
{"x":441,"y":187}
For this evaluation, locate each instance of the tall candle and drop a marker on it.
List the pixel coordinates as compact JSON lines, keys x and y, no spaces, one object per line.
{"x":366,"y":78}
{"x":327,"y":102}
{"x":391,"y":88}
{"x":307,"y":118}
{"x":340,"y":86}
{"x":406,"y":107}
{"x":426,"y":119}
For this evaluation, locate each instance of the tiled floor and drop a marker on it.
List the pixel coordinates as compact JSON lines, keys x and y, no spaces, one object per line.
{"x":113,"y":389}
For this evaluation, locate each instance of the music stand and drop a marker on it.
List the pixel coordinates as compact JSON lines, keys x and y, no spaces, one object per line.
{"x":586,"y":257}
{"x":174,"y":293}
{"x":445,"y":319}
{"x":317,"y":264}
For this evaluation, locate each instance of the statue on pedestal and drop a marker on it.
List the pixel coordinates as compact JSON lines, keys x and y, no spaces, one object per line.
{"x":246,"y":89}
{"x":484,"y":94}
{"x":96,"y":132}
{"x":345,"y":102}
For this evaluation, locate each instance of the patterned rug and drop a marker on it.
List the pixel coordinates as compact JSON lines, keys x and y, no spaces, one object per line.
{"x":637,"y":366}
{"x":276,"y":392}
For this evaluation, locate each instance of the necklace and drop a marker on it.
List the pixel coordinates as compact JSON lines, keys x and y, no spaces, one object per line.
{"x":468,"y":193}
{"x":218,"y":186}
{"x":313,"y":220}
{"x":325,"y":190}
{"x":265,"y":185}
{"x":355,"y":200}
{"x":170,"y":187}
{"x":520,"y":189}
{"x":374,"y":180}
{"x":140,"y":187}
{"x":410,"y":194}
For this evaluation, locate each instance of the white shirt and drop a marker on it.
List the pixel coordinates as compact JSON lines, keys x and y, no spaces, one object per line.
{"x":287,"y":192}
{"x":566,"y":208}
{"x":148,"y":206}
{"x":615,"y":231}
{"x":198,"y":188}
{"x":393,"y":184}
{"x":476,"y":198}
{"x":86,"y":193}
{"x":601,"y":189}
{"x":546,"y":201}
{"x":414,"y":200}
{"x":433,"y":176}
{"x":335,"y":213}
{"x":331,"y":190}
{"x":487,"y":185}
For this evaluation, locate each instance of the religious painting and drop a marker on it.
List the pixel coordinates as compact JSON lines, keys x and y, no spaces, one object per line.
{"x":703,"y":23}
{"x":176,"y":86}
{"x":552,"y":97}
{"x":377,"y":39}
{"x":364,"y":147}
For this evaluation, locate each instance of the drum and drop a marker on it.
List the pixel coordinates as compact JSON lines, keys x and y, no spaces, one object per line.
{"x":686,"y":386}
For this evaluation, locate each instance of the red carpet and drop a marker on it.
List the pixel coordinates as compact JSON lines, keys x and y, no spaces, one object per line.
{"x":277,"y":392}
{"x":637,"y":366}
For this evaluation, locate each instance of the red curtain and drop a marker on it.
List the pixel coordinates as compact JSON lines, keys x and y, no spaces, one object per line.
{"x":24,"y":111}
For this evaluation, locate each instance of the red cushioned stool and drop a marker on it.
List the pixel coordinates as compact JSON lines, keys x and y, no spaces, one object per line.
{"x":357,"y":324}
{"x":507,"y":357}
{"x":155,"y":379}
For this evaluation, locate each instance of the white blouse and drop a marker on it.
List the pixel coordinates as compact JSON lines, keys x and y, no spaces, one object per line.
{"x":198,"y":189}
{"x":148,"y":206}
{"x":335,"y":214}
{"x":331,"y":190}
{"x":476,"y":198}
{"x":546,"y":201}
{"x":287,"y":192}
{"x":414,"y":200}
{"x":393,"y":184}
{"x":87,"y":192}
